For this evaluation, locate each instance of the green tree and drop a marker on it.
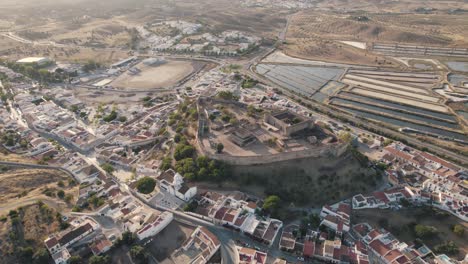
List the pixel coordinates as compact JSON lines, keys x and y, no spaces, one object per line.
{"x":448,"y":247}
{"x":75,"y":260}
{"x":345,"y":137}
{"x":459,"y":230}
{"x":107,"y":168}
{"x":61,"y":194}
{"x":183,"y":151}
{"x":423,"y":231}
{"x":110,"y":117}
{"x":271,"y":203}
{"x":138,"y":254}
{"x":41,"y":256}
{"x":99,"y":260}
{"x":166,"y":163}
{"x":146,"y":185}
{"x":128,"y":238}
{"x":187,"y":167}
{"x":219,"y":147}
{"x":68,"y":198}
{"x":26,"y":253}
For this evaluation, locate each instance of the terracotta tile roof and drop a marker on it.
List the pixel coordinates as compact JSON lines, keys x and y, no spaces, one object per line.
{"x":309,"y":248}
{"x":73,"y":234}
{"x":379,"y":247}
{"x":374,"y":233}
{"x":210,"y":235}
{"x":51,"y":242}
{"x":98,"y":246}
{"x":393,"y":255}
{"x":381,"y":196}
{"x":220,"y":213}
{"x":439,"y":160}
{"x":398,"y":153}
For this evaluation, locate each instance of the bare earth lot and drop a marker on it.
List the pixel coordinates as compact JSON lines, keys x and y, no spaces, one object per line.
{"x":398,"y":222}
{"x":170,"y":239}
{"x":154,"y":77}
{"x":19,"y":187}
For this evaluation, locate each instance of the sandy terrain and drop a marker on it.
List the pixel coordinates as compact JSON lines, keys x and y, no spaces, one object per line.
{"x":170,"y":239}
{"x":154,"y":77}
{"x":316,"y":48}
{"x":19,"y":187}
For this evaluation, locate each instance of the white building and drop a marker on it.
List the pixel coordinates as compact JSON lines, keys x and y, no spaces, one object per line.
{"x":61,"y":257}
{"x":37,"y":60}
{"x":173,"y":183}
{"x":155,"y":226}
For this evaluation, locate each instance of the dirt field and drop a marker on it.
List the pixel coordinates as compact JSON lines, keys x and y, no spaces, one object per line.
{"x":399,"y":221}
{"x":19,"y":187}
{"x":170,"y":239}
{"x":154,"y":77}
{"x":332,"y":51}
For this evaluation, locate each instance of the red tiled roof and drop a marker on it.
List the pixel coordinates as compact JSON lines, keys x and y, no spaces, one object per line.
{"x":379,"y":247}
{"x":361,"y":247}
{"x":72,"y":235}
{"x":398,"y":153}
{"x":260,"y":257}
{"x":393,"y":255}
{"x":210,"y":235}
{"x":440,"y":161}
{"x":229,"y":216}
{"x":51,"y":242}
{"x":100,"y":245}
{"x":374,"y":233}
{"x":345,"y":208}
{"x":240,"y":220}
{"x":220,"y":213}
{"x":252,"y":205}
{"x":361,"y":229}
{"x":381,"y":196}
{"x":402,"y":260}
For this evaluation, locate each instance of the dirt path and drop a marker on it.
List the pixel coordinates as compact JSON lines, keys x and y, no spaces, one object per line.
{"x":21,"y":202}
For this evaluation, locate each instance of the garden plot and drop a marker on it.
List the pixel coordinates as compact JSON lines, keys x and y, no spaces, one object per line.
{"x":300,"y":79}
